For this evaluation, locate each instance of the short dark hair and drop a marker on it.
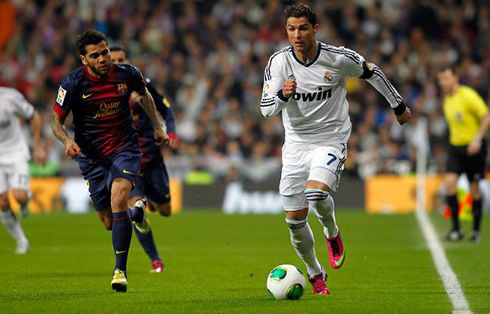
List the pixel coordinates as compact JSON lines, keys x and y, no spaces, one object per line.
{"x":300,"y":10}
{"x":120,"y":48}
{"x":89,"y":37}
{"x":448,"y":66}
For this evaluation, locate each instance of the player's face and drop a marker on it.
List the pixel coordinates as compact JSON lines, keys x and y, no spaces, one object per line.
{"x":301,"y":34}
{"x":447,"y":81}
{"x":118,"y":57}
{"x":98,"y":59}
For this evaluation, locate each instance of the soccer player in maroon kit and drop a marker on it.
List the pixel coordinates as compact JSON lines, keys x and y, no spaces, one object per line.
{"x":106,"y":143}
{"x":152,"y":182}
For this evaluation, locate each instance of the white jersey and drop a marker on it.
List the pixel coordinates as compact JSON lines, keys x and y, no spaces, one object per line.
{"x":13,"y":144}
{"x":317,"y":114}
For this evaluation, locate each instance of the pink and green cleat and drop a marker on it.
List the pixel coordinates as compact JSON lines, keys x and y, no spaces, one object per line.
{"x":318,"y":283}
{"x":336,"y":252}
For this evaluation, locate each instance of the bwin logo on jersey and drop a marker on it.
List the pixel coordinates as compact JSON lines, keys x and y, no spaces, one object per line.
{"x":317,"y":96}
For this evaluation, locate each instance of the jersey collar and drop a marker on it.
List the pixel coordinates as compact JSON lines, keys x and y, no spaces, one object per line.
{"x":307,"y":64}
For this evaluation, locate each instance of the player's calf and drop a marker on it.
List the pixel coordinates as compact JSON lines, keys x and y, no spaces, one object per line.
{"x":105,"y":217}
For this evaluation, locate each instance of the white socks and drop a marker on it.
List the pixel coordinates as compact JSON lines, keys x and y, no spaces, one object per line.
{"x":325,"y":210}
{"x":13,"y":226}
{"x":304,"y":243}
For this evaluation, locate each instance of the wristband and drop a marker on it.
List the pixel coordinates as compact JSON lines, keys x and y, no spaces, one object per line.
{"x":282,"y":97}
{"x":400,"y":109}
{"x":173,"y":136}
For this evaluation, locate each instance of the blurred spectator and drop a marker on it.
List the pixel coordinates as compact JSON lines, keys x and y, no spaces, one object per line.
{"x":208,"y":58}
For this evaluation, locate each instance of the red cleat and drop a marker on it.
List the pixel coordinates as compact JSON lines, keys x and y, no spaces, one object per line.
{"x":157,"y":266}
{"x":336,"y":253}
{"x":318,"y":283}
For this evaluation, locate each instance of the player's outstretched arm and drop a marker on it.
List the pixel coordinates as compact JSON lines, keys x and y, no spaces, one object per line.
{"x":146,"y":101}
{"x":355,"y":65}
{"x":36,"y":128}
{"x":373,"y":74}
{"x":72,"y":149}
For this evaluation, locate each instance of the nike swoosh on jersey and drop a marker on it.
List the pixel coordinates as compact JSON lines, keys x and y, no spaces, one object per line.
{"x":127,"y":172}
{"x":120,"y":252}
{"x":86,"y":96}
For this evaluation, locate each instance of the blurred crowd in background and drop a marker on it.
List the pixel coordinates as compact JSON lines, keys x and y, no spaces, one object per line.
{"x":208,"y":57}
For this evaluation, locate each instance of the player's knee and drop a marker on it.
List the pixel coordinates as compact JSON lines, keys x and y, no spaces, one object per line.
{"x":119,"y":200}
{"x":475,"y":190}
{"x":20,"y":196}
{"x":164,"y":209}
{"x":316,"y":195}
{"x":120,"y":191}
{"x":300,"y":214}
{"x":4,"y":202}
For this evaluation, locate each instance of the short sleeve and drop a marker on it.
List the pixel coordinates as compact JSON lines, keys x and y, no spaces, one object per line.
{"x":137,"y":80}
{"x":476,"y":103}
{"x":62,"y":105}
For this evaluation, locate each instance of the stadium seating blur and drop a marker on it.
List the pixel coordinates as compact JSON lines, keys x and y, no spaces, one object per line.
{"x":208,"y":58}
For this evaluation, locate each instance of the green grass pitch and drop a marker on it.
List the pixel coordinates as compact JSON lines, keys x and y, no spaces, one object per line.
{"x":217,"y":263}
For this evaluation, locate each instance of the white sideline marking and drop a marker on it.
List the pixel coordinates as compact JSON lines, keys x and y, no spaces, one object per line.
{"x":451,"y":283}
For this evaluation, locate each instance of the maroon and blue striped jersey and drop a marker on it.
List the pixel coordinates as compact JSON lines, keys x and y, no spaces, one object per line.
{"x":100,"y":107}
{"x":144,"y":126}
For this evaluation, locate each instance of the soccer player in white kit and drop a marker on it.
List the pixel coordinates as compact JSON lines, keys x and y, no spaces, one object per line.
{"x":306,"y":82}
{"x":14,"y":157}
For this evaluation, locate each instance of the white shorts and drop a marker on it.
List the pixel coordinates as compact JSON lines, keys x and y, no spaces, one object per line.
{"x":14,"y":175}
{"x":323,"y":164}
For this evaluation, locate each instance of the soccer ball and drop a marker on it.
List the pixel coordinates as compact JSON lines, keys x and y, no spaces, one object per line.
{"x":286,"y":282}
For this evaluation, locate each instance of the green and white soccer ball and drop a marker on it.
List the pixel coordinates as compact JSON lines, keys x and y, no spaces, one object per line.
{"x":286,"y":282}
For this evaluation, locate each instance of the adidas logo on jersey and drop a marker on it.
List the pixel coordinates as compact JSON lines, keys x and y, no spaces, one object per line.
{"x":317,"y":96}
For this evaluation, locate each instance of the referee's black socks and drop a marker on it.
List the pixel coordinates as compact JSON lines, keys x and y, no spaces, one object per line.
{"x":452,"y":202}
{"x":477,"y":213}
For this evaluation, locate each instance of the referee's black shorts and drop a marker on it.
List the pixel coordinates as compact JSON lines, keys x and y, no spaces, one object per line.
{"x":460,"y":162}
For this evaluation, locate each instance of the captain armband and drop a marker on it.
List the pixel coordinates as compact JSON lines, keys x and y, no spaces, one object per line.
{"x":400,"y":109}
{"x":368,"y":70}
